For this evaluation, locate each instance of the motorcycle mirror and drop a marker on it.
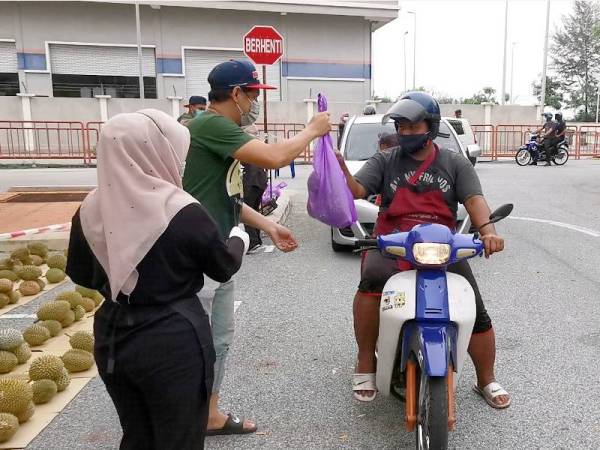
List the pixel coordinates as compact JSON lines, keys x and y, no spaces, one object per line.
{"x":501,"y":213}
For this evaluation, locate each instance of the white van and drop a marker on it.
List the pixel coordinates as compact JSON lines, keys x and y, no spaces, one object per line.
{"x":467,"y":137}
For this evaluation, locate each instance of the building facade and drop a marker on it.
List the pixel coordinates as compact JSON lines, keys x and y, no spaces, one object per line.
{"x":85,"y":49}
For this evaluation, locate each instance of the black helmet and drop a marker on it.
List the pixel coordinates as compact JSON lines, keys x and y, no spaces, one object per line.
{"x":369,"y":110}
{"x":415,"y":107}
{"x":558,"y":116}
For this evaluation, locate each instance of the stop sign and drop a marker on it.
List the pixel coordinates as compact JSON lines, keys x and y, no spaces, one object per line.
{"x":263,"y":45}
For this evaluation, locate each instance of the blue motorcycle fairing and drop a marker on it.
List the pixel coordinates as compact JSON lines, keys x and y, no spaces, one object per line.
{"x":434,"y":345}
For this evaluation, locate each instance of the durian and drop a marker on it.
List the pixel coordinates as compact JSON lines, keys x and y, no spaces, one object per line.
{"x":85,"y":292}
{"x":21,"y":254}
{"x":36,"y":335}
{"x":10,"y":338}
{"x":8,"y":361}
{"x":28,"y":288}
{"x":10,"y":264}
{"x":53,"y":326}
{"x":83,"y":340}
{"x":57,"y":261}
{"x":27,"y":413}
{"x":56,"y":310}
{"x":15,"y":395}
{"x":36,"y":260}
{"x":6,"y":286}
{"x":63,"y":381}
{"x":38,"y":248}
{"x":4,"y":300}
{"x":43,"y":391}
{"x":74,"y":298}
{"x":41,"y":284}
{"x":79,"y":313}
{"x":9,"y":424}
{"x":29,"y":273}
{"x":68,"y":320}
{"x":77,"y":360}
{"x":46,"y":367}
{"x":14,"y":297}
{"x":8,"y":274}
{"x":23,"y":353}
{"x":55,"y":276}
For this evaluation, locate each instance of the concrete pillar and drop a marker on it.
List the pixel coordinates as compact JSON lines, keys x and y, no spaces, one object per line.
{"x":103,"y":102}
{"x":310,"y":112}
{"x":175,"y":106}
{"x":488,"y":137}
{"x":28,"y":134}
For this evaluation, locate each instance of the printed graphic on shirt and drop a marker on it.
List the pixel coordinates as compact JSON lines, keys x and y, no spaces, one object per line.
{"x":427,"y":180}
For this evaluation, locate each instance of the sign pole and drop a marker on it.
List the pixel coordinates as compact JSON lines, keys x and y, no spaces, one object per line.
{"x":265,"y":125}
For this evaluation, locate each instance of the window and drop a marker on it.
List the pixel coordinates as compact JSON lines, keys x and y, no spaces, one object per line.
{"x":458,"y":126}
{"x":446,"y":139}
{"x":9,"y":84}
{"x":363,"y":140}
{"x":87,"y":86}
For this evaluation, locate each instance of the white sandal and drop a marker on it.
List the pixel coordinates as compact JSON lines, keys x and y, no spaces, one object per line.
{"x":490,"y":392}
{"x":364,"y":382}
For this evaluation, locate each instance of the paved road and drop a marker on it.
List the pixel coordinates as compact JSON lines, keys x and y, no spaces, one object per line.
{"x":294,"y":352}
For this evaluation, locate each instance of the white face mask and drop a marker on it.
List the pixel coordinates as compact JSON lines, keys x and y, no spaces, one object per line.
{"x":248,"y":118}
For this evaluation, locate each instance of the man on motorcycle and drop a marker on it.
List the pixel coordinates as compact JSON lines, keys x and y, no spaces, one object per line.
{"x":561,"y":128}
{"x":549,"y":141}
{"x":420,"y":183}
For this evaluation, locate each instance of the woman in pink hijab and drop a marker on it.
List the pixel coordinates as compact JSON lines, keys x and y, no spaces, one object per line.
{"x":145,"y":244}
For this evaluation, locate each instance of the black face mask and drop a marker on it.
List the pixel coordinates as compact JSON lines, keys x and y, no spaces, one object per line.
{"x":412,"y":143}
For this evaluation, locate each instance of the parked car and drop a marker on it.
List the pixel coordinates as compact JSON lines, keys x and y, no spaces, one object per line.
{"x":467,"y":137}
{"x":359,"y":142}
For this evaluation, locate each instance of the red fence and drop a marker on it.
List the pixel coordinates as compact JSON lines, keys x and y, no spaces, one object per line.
{"x":43,"y":140}
{"x":32,"y":140}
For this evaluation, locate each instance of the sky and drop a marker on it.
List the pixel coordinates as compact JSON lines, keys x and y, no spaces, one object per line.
{"x":460,"y":46}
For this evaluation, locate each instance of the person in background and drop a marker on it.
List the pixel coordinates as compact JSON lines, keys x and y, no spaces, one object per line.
{"x":388,"y":140}
{"x":195,"y":107}
{"x":458,"y":114}
{"x":145,"y":244}
{"x":213,"y":176}
{"x":343,"y":121}
{"x":254,"y":180}
{"x":369,"y":110}
{"x":561,"y":128}
{"x":549,"y":131}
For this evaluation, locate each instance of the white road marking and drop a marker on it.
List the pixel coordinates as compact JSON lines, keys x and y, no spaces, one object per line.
{"x":236,"y":305}
{"x":583,"y":230}
{"x":18,"y":316}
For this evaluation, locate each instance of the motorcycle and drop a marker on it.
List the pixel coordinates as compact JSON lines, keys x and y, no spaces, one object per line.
{"x":426,"y":320}
{"x":526,"y":153}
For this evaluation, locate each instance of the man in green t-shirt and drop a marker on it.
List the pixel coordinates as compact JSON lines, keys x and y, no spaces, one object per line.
{"x":196,"y":106}
{"x":213,"y":176}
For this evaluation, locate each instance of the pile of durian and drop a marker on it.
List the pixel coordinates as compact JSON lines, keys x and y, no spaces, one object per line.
{"x":21,"y":274}
{"x":48,"y":375}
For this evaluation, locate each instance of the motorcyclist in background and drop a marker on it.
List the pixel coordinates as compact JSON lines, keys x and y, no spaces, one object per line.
{"x":548,"y":138}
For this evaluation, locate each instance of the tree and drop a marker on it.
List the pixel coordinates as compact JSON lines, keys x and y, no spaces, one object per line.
{"x":576,"y":56}
{"x":554,"y":94}
{"x":485,"y":95}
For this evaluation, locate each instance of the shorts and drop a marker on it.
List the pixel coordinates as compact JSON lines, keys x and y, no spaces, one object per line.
{"x":376,"y":269}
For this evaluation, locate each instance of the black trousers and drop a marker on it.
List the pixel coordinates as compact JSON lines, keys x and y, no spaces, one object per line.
{"x":376,"y":269}
{"x":159,"y":383}
{"x":252,"y":197}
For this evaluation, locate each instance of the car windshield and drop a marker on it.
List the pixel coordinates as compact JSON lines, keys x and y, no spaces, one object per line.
{"x":363,"y":140}
{"x":458,"y":126}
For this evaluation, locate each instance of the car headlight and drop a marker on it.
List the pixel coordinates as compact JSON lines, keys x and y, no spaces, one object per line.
{"x":431,"y":254}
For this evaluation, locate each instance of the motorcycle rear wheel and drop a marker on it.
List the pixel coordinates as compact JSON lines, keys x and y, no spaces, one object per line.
{"x":561,"y":157}
{"x":432,"y":414}
{"x":523,"y":157}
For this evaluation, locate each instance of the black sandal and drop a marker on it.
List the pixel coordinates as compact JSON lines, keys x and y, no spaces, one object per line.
{"x":233,"y":425}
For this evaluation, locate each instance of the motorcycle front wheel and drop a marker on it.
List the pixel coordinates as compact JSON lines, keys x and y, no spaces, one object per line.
{"x":523,"y":157}
{"x":561,"y":157}
{"x":432,"y":413}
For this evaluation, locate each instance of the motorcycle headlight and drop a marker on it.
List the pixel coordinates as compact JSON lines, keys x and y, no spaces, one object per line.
{"x":431,"y":254}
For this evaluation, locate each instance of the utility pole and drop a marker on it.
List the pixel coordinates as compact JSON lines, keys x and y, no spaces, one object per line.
{"x":543,"y":99}
{"x":503,"y":99}
{"x":512,"y":71}
{"x":414,"y":13}
{"x":405,"y":33}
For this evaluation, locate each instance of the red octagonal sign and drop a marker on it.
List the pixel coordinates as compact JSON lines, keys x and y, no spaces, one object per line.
{"x":263,"y":45}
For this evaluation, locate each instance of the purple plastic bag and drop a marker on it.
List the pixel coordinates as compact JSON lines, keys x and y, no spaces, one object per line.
{"x":329,"y":198}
